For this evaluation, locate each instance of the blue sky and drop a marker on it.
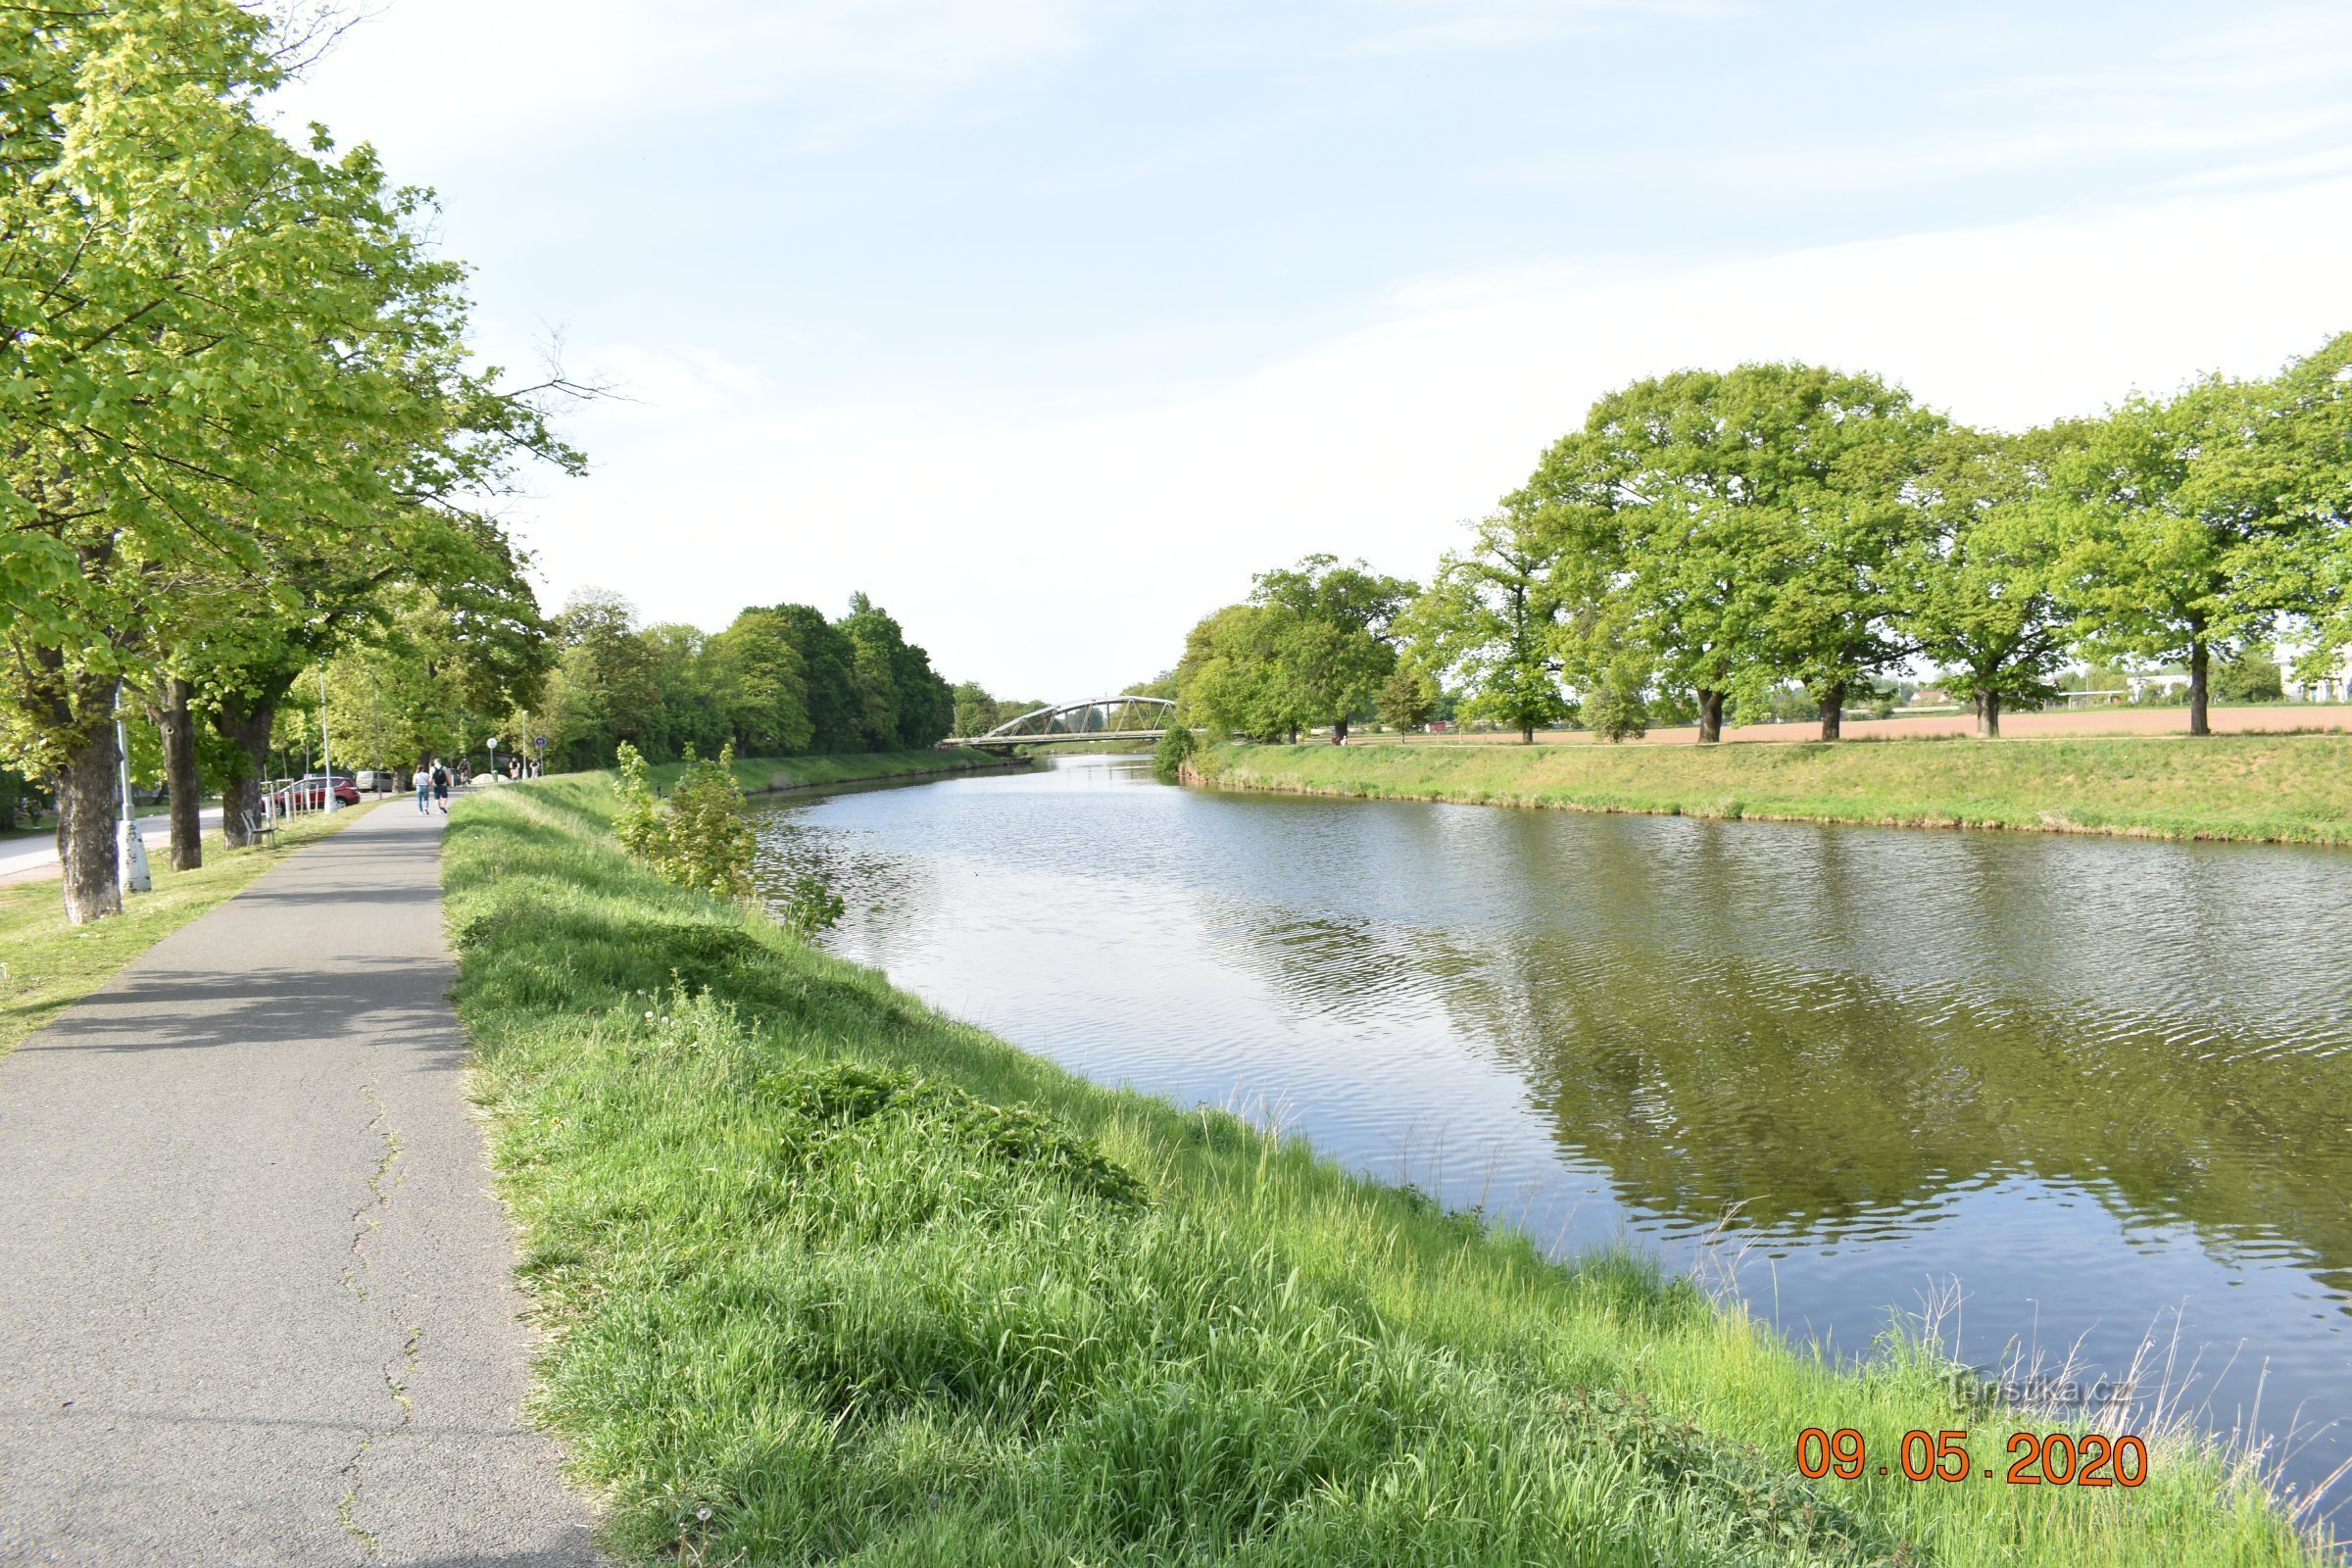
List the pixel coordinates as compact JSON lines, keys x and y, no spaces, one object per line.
{"x":1048,"y":324}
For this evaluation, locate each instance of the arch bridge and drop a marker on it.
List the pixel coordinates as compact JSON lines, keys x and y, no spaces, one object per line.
{"x":1098,"y":718}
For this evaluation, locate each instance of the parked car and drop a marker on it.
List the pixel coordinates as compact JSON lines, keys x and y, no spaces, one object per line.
{"x":308,"y":793}
{"x":376,"y":781}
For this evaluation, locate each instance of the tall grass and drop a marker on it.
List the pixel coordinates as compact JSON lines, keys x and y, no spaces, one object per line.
{"x":2282,"y":787}
{"x":831,"y":1278}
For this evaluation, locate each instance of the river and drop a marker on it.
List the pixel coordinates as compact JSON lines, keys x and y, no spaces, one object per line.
{"x":2083,"y":1103}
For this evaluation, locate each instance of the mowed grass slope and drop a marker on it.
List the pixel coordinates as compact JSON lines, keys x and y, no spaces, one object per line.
{"x":2289,"y":788}
{"x":831,"y":1278}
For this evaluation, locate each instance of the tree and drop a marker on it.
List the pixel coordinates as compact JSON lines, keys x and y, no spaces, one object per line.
{"x":761,"y":681}
{"x":2203,"y":528}
{"x":1491,"y":619}
{"x":975,"y":710}
{"x":826,"y":660}
{"x":1739,"y":524}
{"x":1838,"y":454}
{"x":1981,"y":587}
{"x":607,"y":686}
{"x":1332,"y":627}
{"x":2311,"y":447}
{"x":902,"y":703}
{"x":1408,"y":697}
{"x":1231,"y":679}
{"x":1616,"y":706}
{"x":223,"y":351}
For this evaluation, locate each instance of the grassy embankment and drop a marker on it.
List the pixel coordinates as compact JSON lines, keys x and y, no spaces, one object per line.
{"x":832,"y":1277}
{"x":2291,"y":787}
{"x":763,"y":775}
{"x":47,"y":965}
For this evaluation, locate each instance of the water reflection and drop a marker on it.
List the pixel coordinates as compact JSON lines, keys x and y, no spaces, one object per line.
{"x":2091,"y":1081}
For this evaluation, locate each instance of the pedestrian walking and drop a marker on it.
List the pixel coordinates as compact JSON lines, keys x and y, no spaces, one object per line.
{"x":441,"y":787}
{"x":425,"y":784}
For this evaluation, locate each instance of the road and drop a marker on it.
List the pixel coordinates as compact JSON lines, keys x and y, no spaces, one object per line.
{"x":22,"y":860}
{"x":256,"y":1298}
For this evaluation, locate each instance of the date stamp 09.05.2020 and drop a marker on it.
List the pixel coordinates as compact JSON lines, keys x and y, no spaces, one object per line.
{"x":2034,"y":1459}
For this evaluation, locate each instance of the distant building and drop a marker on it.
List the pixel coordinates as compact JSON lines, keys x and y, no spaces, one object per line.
{"x":2336,"y":687}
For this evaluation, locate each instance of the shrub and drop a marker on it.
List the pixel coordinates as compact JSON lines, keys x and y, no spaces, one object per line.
{"x":808,"y":908}
{"x":699,"y":838}
{"x":1616,"y":708}
{"x":1177,"y":744}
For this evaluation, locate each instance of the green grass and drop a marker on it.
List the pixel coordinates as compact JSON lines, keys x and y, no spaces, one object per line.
{"x":830,"y":1278}
{"x":47,"y":965}
{"x":765,"y":775}
{"x":2289,"y":788}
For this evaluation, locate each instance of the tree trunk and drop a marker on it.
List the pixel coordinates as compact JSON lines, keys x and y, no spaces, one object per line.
{"x":1833,"y":711}
{"x":1710,"y":717}
{"x":241,"y":797}
{"x":178,"y":728}
{"x":1527,"y":734}
{"x":87,"y":788}
{"x":1989,"y":715}
{"x":1339,"y":733}
{"x":2200,"y":659}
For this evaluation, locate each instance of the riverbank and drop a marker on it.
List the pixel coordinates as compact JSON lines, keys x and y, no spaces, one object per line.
{"x":834,"y":1276}
{"x":2260,"y":788}
{"x":46,"y":966}
{"x":781,"y":775}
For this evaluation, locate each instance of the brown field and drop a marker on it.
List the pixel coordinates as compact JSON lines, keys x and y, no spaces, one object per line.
{"x":2276,"y":718}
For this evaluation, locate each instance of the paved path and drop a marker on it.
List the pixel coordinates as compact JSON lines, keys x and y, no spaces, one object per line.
{"x":255,"y":1295}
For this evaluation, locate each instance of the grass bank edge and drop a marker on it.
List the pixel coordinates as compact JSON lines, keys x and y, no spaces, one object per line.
{"x":2244,"y":788}
{"x":623,"y":1031}
{"x":782,"y":775}
{"x":47,"y":965}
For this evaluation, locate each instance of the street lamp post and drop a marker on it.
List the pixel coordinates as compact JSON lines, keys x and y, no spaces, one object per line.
{"x":326,"y":761}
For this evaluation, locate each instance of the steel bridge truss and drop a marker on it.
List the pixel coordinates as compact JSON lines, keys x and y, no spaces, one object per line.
{"x":1098,"y":718}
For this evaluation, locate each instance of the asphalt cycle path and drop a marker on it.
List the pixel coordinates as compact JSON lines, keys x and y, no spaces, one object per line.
{"x":256,"y":1297}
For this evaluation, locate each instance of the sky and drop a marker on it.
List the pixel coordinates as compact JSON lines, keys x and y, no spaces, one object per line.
{"x":1048,"y":324}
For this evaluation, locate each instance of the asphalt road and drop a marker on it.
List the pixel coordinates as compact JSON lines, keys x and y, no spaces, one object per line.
{"x":22,"y":858}
{"x":255,"y":1295}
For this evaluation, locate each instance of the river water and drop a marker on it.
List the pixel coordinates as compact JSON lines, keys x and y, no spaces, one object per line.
{"x":2084,"y":1103}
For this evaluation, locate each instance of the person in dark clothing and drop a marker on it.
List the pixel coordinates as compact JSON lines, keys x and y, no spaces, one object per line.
{"x":441,"y":787}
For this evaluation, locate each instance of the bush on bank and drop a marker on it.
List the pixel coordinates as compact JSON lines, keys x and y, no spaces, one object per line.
{"x":831,"y":1278}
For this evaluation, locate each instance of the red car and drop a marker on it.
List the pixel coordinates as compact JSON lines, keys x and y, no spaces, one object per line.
{"x":308,"y":793}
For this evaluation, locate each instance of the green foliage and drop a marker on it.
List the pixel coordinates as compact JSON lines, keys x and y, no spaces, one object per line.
{"x":1408,"y":697}
{"x":1177,"y":744}
{"x":1231,"y":677}
{"x":2251,"y":678}
{"x":1983,"y":589}
{"x":1312,"y":647}
{"x":810,"y":908}
{"x":778,"y":681}
{"x":637,"y":823}
{"x":1617,"y":708}
{"x":698,"y":837}
{"x":1495,"y":619}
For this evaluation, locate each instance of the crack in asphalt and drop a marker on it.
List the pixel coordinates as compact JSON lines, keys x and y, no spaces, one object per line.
{"x":365,"y":1220}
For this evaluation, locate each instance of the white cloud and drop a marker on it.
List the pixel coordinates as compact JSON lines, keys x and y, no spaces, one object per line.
{"x":1039,"y":557}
